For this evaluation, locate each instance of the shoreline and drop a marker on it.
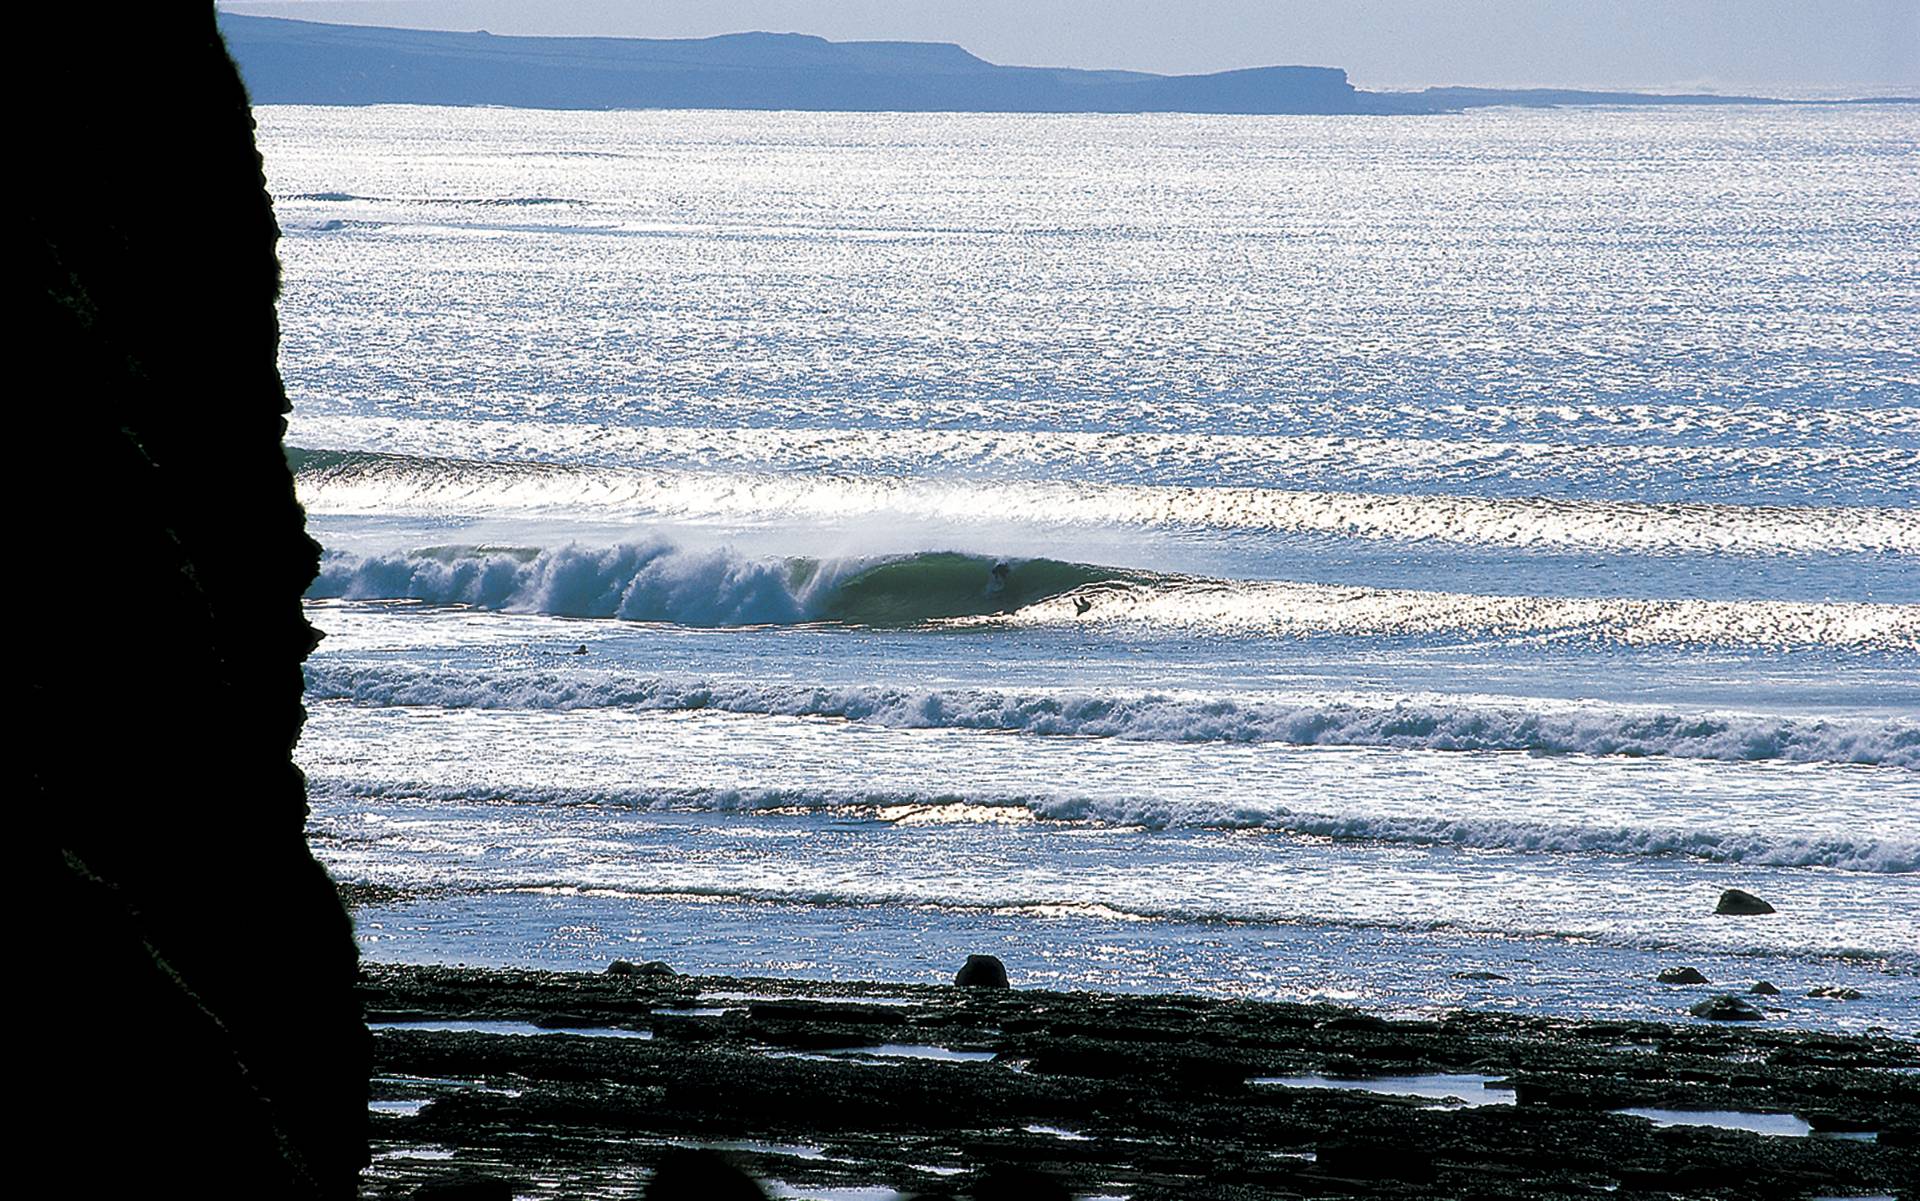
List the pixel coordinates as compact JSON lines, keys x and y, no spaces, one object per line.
{"x":844,"y":1090}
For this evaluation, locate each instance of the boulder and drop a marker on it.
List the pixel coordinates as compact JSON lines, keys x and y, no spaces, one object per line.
{"x":981,"y":971}
{"x":700,"y":1174}
{"x":653,"y":967}
{"x":1737,"y":902}
{"x":1765,"y":988}
{"x":1681,"y":975}
{"x":1834,"y":992}
{"x":1479,"y":976}
{"x":1727,"y":1008}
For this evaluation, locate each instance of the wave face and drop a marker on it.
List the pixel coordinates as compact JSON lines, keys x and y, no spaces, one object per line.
{"x":1460,"y":727}
{"x":360,"y":482}
{"x":658,"y":581}
{"x":923,"y":808}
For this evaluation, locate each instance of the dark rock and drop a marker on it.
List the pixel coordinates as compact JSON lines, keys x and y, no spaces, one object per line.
{"x":697,"y":1174}
{"x":1727,"y":1008}
{"x":1360,"y":1022}
{"x":190,"y":951}
{"x":1479,"y":976}
{"x":1740,"y":903}
{"x":1765,"y":988}
{"x":1154,"y":1090}
{"x":1004,"y":1183}
{"x":1835,"y":992}
{"x":653,"y":967}
{"x":472,"y":1187}
{"x":981,"y":971}
{"x":1827,"y":1122}
{"x":1374,"y":1161}
{"x":1681,"y":975}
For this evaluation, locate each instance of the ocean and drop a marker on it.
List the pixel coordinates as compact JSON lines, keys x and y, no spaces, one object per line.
{"x":1410,"y":562}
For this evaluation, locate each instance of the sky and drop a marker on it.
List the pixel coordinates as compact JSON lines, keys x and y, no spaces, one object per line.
{"x":1772,"y":47}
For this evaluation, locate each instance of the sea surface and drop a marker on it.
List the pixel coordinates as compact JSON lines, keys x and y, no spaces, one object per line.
{"x":1410,"y":562}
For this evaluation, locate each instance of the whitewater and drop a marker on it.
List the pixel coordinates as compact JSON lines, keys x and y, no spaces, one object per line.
{"x":1329,"y":558}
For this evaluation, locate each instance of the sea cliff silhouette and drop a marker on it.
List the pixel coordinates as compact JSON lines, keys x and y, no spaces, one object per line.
{"x":194,"y":1024}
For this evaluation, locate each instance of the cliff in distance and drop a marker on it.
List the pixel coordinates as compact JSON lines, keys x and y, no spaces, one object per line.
{"x":306,"y":62}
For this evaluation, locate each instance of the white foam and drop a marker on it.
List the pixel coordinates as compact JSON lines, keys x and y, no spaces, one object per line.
{"x":1755,"y":848}
{"x":1460,"y":726}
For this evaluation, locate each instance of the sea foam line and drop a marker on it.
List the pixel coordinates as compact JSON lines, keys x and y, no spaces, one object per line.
{"x":1153,"y":716}
{"x":921,"y":808}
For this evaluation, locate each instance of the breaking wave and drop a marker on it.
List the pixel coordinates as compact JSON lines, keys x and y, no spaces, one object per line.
{"x":920,"y":808}
{"x":659,"y":581}
{"x":1156,"y":716}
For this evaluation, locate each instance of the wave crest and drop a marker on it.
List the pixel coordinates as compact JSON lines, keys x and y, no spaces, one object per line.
{"x":920,"y":807}
{"x":1157,"y":717}
{"x":658,"y":581}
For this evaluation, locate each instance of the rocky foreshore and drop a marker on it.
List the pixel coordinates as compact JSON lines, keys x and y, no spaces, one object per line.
{"x":847,"y":1091}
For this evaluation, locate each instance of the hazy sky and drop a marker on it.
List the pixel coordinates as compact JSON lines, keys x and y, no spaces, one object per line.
{"x":1773,"y":46}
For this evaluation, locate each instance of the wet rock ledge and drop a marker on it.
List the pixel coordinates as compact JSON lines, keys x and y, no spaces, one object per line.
{"x":575,"y":1085}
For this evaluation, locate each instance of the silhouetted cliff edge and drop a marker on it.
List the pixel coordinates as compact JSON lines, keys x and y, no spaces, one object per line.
{"x":187,"y":967}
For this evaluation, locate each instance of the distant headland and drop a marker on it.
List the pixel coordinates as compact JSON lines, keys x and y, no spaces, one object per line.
{"x":304,"y":62}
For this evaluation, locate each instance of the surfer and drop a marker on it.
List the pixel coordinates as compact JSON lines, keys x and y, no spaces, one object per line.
{"x":1082,"y":605}
{"x":999,"y":574}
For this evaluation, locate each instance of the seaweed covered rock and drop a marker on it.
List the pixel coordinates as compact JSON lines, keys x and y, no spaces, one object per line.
{"x":198,"y":1026}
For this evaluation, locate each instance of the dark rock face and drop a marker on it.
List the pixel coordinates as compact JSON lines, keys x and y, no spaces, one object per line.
{"x":1765,"y":988}
{"x":981,"y":971}
{"x":1737,"y":902}
{"x":1681,"y":975}
{"x":200,"y":1028}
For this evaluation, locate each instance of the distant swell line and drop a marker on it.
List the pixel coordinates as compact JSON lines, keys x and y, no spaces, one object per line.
{"x":1156,"y":717}
{"x":907,"y":807}
{"x":340,"y":482}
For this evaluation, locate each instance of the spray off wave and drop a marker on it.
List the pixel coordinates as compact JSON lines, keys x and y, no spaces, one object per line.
{"x":659,"y":581}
